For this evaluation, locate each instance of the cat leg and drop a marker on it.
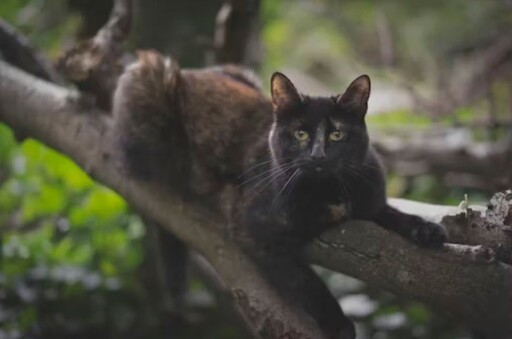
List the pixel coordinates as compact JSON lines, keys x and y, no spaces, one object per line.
{"x":165,"y":277}
{"x":412,"y":227}
{"x":301,"y":287}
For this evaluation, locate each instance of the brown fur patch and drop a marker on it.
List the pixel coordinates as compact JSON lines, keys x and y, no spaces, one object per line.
{"x":338,"y":212}
{"x":191,"y":126}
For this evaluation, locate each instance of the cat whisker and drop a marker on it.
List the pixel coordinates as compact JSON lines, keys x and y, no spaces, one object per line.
{"x":294,"y":181}
{"x":271,"y":173}
{"x":254,"y":167}
{"x":284,"y":186}
{"x":369,"y":166}
{"x":259,"y":175}
{"x":267,"y":181}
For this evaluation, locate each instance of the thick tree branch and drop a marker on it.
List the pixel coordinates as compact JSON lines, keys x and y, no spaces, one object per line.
{"x":450,"y":280}
{"x":458,"y":279}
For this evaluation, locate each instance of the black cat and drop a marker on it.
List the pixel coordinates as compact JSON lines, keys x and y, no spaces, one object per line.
{"x":322,"y":170}
{"x":317,"y":170}
{"x":278,"y":179}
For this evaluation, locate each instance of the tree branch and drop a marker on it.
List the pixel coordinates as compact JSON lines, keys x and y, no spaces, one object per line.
{"x":475,"y":291}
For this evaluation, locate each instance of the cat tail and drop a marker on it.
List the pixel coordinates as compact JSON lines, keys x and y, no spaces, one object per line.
{"x":146,"y":110}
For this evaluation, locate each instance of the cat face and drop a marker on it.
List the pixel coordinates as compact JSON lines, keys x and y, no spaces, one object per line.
{"x":320,"y":136}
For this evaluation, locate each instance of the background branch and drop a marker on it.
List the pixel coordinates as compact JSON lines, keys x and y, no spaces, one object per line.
{"x":450,"y":153}
{"x":236,"y":33}
{"x":469,"y":78}
{"x":17,"y":50}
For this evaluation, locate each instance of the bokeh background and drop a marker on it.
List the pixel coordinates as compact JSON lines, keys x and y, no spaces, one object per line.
{"x":76,"y":262}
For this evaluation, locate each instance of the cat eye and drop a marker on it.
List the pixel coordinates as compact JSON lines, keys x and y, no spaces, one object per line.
{"x":337,"y":136}
{"x":301,"y":135}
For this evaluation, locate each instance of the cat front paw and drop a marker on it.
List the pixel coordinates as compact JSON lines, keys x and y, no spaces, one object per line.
{"x":429,"y":234}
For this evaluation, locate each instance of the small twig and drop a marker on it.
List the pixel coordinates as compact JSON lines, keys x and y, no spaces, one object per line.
{"x":464,"y":205}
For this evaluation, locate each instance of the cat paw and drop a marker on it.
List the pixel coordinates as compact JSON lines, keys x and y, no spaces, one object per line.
{"x":429,"y":234}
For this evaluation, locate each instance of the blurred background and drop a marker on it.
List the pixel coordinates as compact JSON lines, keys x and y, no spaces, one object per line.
{"x":76,"y":262}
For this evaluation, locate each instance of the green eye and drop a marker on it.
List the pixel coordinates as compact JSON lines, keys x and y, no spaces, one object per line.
{"x":337,"y":136}
{"x":301,"y":135}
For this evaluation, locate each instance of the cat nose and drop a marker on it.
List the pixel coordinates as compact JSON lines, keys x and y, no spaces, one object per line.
{"x":318,"y":149}
{"x":317,"y":153}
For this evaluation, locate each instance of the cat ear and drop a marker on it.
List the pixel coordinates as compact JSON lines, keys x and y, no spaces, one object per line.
{"x":284,"y":94}
{"x":357,"y":95}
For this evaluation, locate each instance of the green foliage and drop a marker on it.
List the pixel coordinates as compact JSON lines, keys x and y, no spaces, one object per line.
{"x":398,"y":118}
{"x":11,"y":8}
{"x":47,"y":23}
{"x":61,"y":228}
{"x":316,"y":44}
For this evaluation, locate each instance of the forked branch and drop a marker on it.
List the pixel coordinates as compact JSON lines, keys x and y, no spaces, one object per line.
{"x":95,"y":64}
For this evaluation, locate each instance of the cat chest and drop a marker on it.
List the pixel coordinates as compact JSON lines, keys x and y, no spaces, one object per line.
{"x":325,"y":212}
